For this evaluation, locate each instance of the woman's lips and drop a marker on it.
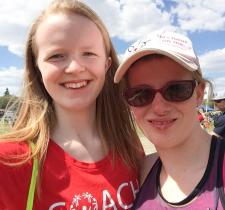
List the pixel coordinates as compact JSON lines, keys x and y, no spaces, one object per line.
{"x":162,"y":124}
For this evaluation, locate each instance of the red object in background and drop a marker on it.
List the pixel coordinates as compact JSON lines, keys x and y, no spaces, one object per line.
{"x":200,"y":117}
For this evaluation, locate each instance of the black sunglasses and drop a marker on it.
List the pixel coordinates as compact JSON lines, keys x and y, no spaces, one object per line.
{"x":174,"y":91}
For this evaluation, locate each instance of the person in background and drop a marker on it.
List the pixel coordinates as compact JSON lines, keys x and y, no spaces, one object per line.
{"x":200,"y":116}
{"x":219,"y":120}
{"x":73,"y":139}
{"x":164,"y":88}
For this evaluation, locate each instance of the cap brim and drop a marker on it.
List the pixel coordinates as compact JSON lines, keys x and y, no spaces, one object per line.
{"x":219,"y":98}
{"x":124,"y":66}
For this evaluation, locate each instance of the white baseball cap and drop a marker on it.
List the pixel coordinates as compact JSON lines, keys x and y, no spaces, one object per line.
{"x":219,"y":95}
{"x":176,"y":46}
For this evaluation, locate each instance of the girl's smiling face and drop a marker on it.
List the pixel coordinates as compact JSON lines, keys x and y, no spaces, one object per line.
{"x":165,"y":123}
{"x":72,"y":59}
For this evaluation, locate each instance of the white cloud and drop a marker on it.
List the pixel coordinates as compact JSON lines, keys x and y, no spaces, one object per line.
{"x":15,"y":18}
{"x":11,"y":78}
{"x":125,"y":19}
{"x":130,"y":19}
{"x":110,"y":16}
{"x":141,"y":18}
{"x":213,"y":61}
{"x":196,"y":15}
{"x":218,"y":83}
{"x":213,"y":67}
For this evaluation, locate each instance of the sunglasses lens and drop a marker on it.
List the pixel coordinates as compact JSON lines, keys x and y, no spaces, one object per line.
{"x":139,"y":96}
{"x":176,"y":91}
{"x":179,"y":91}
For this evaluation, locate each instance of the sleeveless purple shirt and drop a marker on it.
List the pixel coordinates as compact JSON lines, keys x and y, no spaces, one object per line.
{"x":205,"y":196}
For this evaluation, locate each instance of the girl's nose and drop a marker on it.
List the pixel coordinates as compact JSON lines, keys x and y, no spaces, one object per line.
{"x":74,"y":66}
{"x":159,"y":105}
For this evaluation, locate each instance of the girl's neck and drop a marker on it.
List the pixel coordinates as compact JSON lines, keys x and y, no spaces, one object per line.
{"x":77,"y":134}
{"x":77,"y":124}
{"x":184,"y":167}
{"x":181,"y":157}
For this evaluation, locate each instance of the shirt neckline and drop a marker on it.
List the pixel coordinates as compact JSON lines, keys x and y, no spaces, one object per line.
{"x":200,"y":184}
{"x":80,"y":164}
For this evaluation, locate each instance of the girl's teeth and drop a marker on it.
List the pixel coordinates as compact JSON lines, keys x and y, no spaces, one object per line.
{"x":161,"y":122}
{"x":76,"y":85}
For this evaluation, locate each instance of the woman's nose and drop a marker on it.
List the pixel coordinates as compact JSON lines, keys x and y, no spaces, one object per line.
{"x":160,"y":105}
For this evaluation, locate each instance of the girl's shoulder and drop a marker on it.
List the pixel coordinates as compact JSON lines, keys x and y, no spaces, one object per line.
{"x":13,"y":149}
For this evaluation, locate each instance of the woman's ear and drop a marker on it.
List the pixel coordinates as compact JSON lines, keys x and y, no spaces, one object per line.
{"x":200,"y":91}
{"x":108,"y":63}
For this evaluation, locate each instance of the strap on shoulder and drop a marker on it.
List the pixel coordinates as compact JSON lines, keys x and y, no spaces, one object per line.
{"x":30,"y":198}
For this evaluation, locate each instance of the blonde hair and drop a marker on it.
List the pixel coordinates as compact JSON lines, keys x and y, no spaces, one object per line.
{"x":36,"y":114}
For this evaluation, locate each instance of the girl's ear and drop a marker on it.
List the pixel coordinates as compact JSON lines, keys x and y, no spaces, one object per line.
{"x":200,"y":90}
{"x":108,"y":63}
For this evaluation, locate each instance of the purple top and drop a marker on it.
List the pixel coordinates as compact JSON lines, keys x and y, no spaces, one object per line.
{"x":205,"y":195}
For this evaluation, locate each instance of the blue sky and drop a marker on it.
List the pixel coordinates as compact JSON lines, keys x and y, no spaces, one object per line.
{"x":126,"y":20}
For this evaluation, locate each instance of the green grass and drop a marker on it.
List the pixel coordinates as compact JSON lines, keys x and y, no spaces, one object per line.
{"x":4,"y":128}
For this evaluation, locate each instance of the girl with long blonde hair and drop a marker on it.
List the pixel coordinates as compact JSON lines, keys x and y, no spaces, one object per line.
{"x":73,"y":132}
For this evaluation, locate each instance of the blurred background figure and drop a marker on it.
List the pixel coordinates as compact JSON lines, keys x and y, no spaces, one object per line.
{"x":219,"y":120}
{"x":205,"y":116}
{"x":201,"y":115}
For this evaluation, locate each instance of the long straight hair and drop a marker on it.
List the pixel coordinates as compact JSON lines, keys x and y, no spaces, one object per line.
{"x":36,"y":115}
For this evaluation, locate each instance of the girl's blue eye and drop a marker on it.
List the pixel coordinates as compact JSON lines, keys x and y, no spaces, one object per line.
{"x":56,"y":57}
{"x":89,"y":54}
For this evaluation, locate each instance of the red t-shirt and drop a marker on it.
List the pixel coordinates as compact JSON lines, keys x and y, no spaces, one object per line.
{"x":68,"y":183}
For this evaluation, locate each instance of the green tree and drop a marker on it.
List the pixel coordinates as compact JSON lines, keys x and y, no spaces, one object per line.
{"x":7,"y":101}
{"x":4,"y":100}
{"x":6,"y":93}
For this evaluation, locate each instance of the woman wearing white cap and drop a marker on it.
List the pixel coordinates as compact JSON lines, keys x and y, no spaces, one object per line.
{"x":164,"y":87}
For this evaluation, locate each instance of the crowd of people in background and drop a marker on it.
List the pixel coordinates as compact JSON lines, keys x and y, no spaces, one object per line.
{"x":213,"y":119}
{"x":219,"y":120}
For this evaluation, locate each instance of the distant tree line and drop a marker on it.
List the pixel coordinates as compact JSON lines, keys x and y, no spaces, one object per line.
{"x":7,"y":99}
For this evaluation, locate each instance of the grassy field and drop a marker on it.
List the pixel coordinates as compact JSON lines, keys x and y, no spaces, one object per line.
{"x":4,"y":127}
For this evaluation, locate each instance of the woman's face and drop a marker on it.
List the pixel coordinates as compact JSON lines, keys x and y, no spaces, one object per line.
{"x":72,"y":60}
{"x":220,"y":105}
{"x":165,"y":123}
